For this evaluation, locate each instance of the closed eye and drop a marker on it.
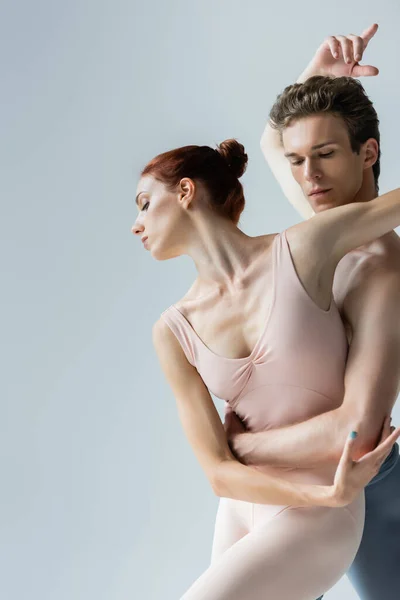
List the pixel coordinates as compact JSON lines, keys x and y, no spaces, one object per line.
{"x":145,"y":205}
{"x":325,"y":155}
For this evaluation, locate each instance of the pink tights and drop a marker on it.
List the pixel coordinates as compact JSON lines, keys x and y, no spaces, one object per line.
{"x":270,"y":552}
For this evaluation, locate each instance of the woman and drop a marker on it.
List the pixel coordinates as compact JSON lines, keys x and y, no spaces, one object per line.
{"x":259,"y":329}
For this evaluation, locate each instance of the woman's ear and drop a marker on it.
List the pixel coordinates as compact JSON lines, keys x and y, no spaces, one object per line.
{"x":187,"y":188}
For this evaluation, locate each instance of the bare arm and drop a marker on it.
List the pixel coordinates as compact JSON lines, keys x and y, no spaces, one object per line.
{"x":301,"y":445}
{"x":272,"y":149}
{"x":334,"y":232}
{"x":205,"y":433}
{"x":371,"y":385}
{"x":373,"y":366}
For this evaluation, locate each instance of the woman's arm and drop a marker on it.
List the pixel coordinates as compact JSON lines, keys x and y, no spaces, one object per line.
{"x":205,"y":433}
{"x":333,"y":233}
{"x":317,"y":245}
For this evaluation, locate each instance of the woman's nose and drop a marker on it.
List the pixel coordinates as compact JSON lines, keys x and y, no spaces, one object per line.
{"x":136,"y":229}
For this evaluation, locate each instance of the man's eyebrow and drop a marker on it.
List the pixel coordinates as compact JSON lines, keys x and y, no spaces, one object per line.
{"x":316,"y":147}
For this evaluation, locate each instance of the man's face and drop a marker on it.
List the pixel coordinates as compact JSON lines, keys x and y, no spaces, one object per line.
{"x":318,"y":149}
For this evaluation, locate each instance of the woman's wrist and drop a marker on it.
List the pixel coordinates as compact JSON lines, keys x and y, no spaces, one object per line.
{"x":318,"y":495}
{"x":306,"y":494}
{"x":323,"y":495}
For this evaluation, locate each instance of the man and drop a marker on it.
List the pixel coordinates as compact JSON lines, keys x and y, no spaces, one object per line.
{"x":322,"y":144}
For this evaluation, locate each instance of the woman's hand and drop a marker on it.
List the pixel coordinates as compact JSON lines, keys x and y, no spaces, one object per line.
{"x":352,"y":476}
{"x":340,"y":55}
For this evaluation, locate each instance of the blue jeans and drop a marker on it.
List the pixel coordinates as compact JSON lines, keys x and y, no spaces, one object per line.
{"x":375,"y":571}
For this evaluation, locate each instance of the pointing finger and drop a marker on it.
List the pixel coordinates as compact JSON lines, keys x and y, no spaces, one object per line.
{"x":369,"y":33}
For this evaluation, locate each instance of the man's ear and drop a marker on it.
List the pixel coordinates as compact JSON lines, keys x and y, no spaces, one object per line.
{"x":371,"y":151}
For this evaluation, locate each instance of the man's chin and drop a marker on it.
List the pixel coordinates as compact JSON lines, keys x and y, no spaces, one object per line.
{"x":317,"y":208}
{"x":324,"y":204}
{"x":321,"y":202}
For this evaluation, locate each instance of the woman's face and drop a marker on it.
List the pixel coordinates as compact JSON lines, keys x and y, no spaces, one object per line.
{"x":160,"y":218}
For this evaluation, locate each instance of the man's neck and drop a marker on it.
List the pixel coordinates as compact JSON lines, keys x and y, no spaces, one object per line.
{"x":367,"y":190}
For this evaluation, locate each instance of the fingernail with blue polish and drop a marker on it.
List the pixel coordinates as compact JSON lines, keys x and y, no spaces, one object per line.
{"x":353,"y":434}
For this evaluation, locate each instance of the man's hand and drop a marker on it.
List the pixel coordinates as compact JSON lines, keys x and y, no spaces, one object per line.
{"x":235,"y":433}
{"x":242,"y":445}
{"x":340,"y":55}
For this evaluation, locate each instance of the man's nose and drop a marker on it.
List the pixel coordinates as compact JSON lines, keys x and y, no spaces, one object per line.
{"x":311,"y":170}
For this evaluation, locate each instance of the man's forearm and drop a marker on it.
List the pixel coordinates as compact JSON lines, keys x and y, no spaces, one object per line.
{"x":271,"y":137}
{"x":312,"y":442}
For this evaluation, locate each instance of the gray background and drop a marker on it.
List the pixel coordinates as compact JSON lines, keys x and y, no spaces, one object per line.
{"x":101,"y":496}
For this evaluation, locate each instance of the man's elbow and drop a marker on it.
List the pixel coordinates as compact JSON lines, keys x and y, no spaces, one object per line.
{"x":263,"y":145}
{"x":368,"y":428}
{"x":270,"y":140}
{"x":266,"y":148}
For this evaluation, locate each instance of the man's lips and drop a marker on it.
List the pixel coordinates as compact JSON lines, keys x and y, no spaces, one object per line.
{"x":318,"y":192}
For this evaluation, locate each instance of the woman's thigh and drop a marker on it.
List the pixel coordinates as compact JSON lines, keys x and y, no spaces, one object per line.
{"x":231,"y":524}
{"x":297,"y":555}
{"x":237,"y":518}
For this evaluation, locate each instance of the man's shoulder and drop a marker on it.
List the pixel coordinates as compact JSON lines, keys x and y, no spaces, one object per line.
{"x":367,"y":276}
{"x":373,"y":268}
{"x":363,"y":266}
